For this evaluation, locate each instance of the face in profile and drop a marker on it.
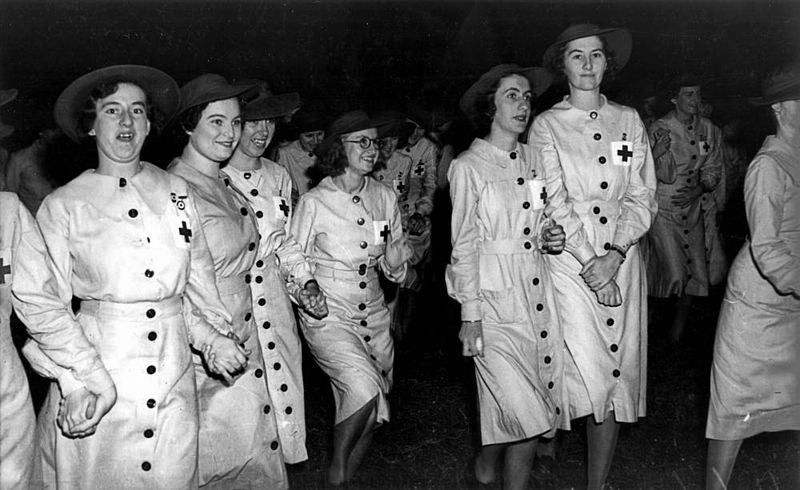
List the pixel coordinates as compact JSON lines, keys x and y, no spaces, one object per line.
{"x":512,"y":102}
{"x":361,"y":150}
{"x":121,"y":125}
{"x":585,"y":63}
{"x":256,"y":136}
{"x":218,"y":131}
{"x":310,"y":139}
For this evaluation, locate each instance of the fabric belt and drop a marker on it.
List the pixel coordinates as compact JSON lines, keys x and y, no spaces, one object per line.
{"x":508,"y":246}
{"x":141,"y":310}
{"x":370,"y":274}
{"x":607,"y":208}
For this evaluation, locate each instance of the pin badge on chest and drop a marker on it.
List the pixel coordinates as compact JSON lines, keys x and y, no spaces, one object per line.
{"x":622,"y":153}
{"x":179,"y":201}
{"x":381,"y":232}
{"x":538,"y":193}
{"x":282,"y":208}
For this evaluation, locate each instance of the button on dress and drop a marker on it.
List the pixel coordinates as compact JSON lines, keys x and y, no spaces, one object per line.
{"x":235,"y":432}
{"x":17,"y":420}
{"x":500,"y":277}
{"x":615,"y":174}
{"x":755,"y":375}
{"x":283,"y":269}
{"x":99,"y":253}
{"x":353,"y":344}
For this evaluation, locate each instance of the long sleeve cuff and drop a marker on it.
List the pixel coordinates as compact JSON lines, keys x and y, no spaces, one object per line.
{"x":584,"y":253}
{"x":471,"y":310}
{"x":394,"y":275}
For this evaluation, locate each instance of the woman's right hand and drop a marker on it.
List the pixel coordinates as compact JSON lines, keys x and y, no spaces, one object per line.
{"x":226,"y":357}
{"x":609,"y":295}
{"x":397,"y":252}
{"x":471,"y":336}
{"x":81,"y":411}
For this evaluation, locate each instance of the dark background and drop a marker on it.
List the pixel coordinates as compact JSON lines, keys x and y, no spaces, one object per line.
{"x":381,"y":52}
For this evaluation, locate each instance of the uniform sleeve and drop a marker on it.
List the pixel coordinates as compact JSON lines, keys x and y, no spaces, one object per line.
{"x":424,"y":204}
{"x":42,"y":296}
{"x":462,"y":274}
{"x":665,"y":167}
{"x":638,"y":207}
{"x":296,"y":268}
{"x":397,"y":275}
{"x":559,"y":207}
{"x":711,"y":170}
{"x":203,"y":310}
{"x":764,"y":194}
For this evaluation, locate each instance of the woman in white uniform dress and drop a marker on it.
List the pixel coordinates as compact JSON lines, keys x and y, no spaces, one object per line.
{"x":755,"y":375}
{"x":114,"y":237}
{"x":499,"y":275}
{"x":239,"y":444}
{"x":280,"y":269}
{"x":602,"y":185}
{"x":349,"y":225}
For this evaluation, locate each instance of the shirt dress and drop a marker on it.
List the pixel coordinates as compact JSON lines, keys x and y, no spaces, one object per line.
{"x":17,"y":420}
{"x":345,"y":236}
{"x":755,"y":375}
{"x":498,"y":274}
{"x":601,"y":183}
{"x":297,"y":161}
{"x":280,"y":268}
{"x":677,"y":261}
{"x":133,"y":251}
{"x":239,"y":444}
{"x":421,"y":190}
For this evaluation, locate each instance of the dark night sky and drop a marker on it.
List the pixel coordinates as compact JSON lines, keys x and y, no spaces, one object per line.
{"x":352,"y":53}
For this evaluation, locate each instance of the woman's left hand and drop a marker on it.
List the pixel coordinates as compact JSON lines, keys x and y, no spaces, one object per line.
{"x":397,"y":252}
{"x":601,"y":270}
{"x":553,"y":238}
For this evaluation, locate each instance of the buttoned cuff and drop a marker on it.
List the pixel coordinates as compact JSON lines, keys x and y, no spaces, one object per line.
{"x":471,"y":311}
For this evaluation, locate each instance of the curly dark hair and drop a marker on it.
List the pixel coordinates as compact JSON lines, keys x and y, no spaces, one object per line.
{"x":191,"y":116}
{"x":105,"y":89}
{"x":333,"y":162}
{"x":556,"y":66}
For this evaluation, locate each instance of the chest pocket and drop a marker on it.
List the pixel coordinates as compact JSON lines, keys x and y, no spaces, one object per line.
{"x":381,"y":232}
{"x":622,"y":153}
{"x":282,"y":208}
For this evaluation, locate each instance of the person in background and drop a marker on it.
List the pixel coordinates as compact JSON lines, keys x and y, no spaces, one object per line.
{"x":498,"y":274}
{"x":349,"y":225}
{"x":755,"y":375}
{"x":713,"y":204}
{"x":688,"y":167}
{"x":22,"y":172}
{"x":601,"y":186}
{"x":17,"y":420}
{"x":298,"y":156}
{"x":281,"y":271}
{"x":239,"y":441}
{"x":124,"y":411}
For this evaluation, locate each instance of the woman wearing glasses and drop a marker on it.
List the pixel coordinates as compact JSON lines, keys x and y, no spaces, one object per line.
{"x":349,"y":225}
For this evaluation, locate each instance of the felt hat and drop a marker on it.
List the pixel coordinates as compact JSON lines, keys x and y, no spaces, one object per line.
{"x":349,"y":122}
{"x":782,"y":83}
{"x":161,"y":90}
{"x":210,"y":87}
{"x":617,"y":40}
{"x":539,"y":78}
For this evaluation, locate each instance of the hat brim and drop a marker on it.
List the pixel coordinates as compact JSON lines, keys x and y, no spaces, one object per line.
{"x":331,"y":136}
{"x":271,"y":106}
{"x":539,"y":79}
{"x":6,"y":130}
{"x":617,"y":40}
{"x":224,"y":93}
{"x":162,"y":93}
{"x":8,"y":95}
{"x":791,"y":92}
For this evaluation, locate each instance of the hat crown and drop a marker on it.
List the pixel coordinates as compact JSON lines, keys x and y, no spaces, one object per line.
{"x":344,"y":123}
{"x":578,"y":31}
{"x":781,"y":79}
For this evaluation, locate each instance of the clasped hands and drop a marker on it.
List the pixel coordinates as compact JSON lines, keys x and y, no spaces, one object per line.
{"x":598,"y":273}
{"x":397,"y":252}
{"x":81,"y":410}
{"x":312,"y":299}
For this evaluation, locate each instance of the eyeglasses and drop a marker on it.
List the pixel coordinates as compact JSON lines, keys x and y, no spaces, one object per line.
{"x":365,"y":142}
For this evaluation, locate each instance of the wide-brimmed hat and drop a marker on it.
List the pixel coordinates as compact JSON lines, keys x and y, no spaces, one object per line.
{"x":161,"y":90}
{"x":349,"y":122}
{"x":617,"y":40}
{"x":539,"y":78}
{"x":782,"y":83}
{"x":207,"y":88}
{"x":6,"y":96}
{"x":269,"y":106}
{"x":309,"y":118}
